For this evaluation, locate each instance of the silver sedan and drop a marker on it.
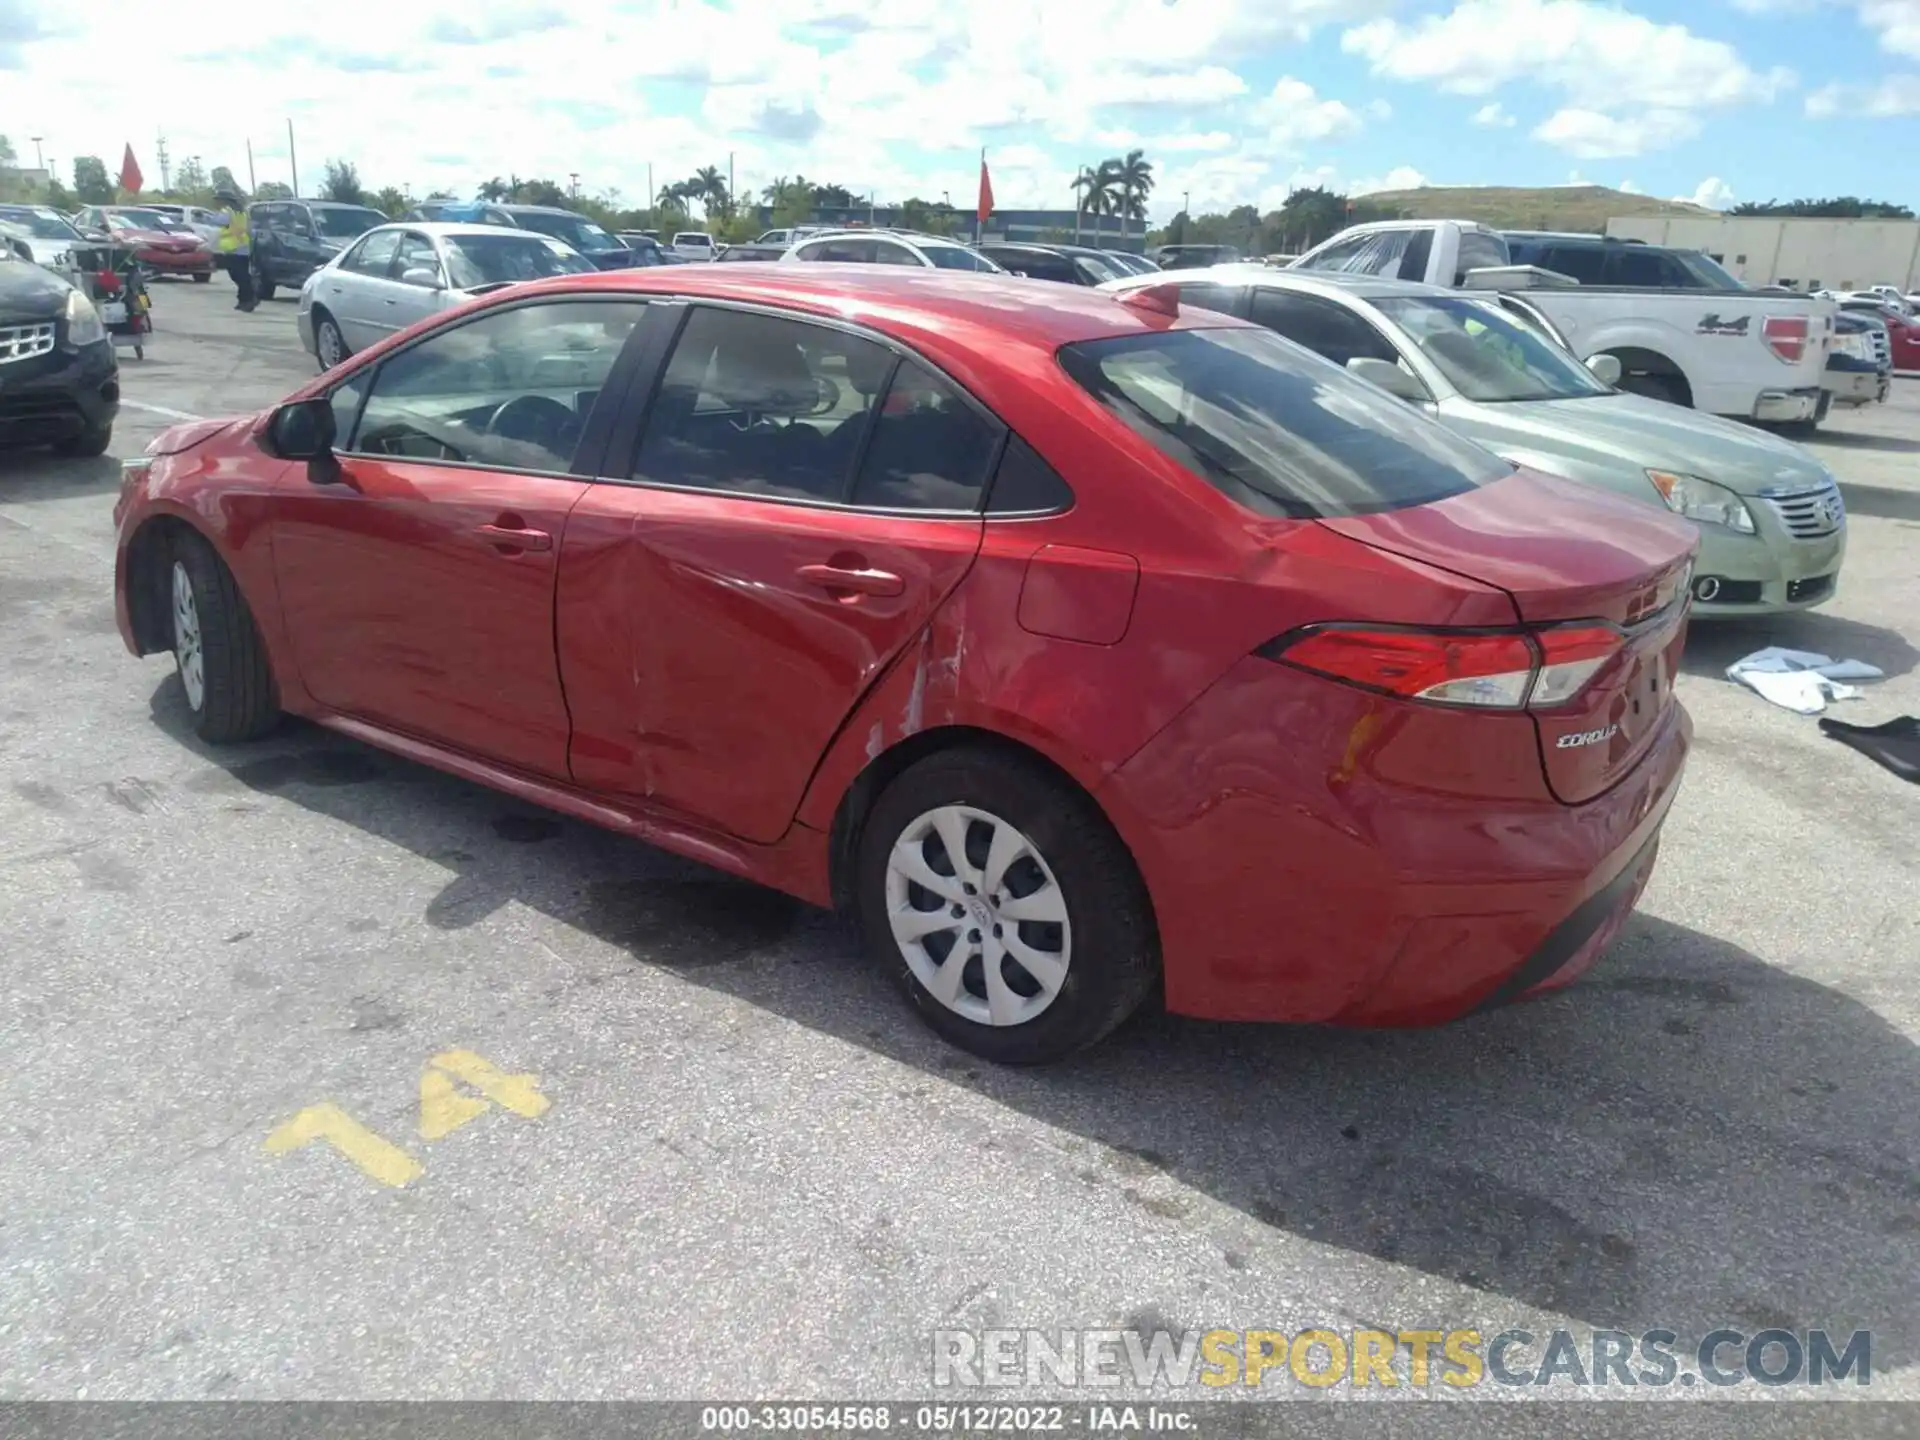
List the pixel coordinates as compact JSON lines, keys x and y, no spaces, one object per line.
{"x":396,"y":274}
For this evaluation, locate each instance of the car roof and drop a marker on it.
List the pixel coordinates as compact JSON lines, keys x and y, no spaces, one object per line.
{"x":448,"y":229}
{"x":511,"y":205}
{"x":1365,"y":287}
{"x":918,"y":306}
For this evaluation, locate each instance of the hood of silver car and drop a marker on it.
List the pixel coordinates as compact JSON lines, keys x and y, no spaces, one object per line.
{"x":1634,"y":434}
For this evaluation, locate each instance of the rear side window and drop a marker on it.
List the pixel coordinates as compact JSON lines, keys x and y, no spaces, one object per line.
{"x":1639,"y":266}
{"x":1585,"y":263}
{"x":1275,"y":428}
{"x":930,"y":449}
{"x":1227,"y":299}
{"x":1479,"y":250}
{"x":1025,"y":484}
{"x":1322,"y":326}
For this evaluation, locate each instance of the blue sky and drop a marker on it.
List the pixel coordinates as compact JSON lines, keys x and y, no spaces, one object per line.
{"x":1236,"y":101}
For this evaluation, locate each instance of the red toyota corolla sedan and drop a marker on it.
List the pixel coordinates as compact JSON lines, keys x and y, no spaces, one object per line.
{"x":1076,"y":645}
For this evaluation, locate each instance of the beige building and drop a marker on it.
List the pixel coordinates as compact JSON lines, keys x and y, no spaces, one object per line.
{"x":1799,"y":253}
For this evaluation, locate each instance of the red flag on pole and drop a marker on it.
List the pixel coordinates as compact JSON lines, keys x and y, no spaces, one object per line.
{"x":130,"y":176}
{"x":986,"y":191}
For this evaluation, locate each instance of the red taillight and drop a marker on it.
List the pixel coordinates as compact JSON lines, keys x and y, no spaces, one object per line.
{"x":1786,"y":335}
{"x":1488,"y":669}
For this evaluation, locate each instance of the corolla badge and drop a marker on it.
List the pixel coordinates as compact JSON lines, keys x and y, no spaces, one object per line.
{"x":1586,"y":737}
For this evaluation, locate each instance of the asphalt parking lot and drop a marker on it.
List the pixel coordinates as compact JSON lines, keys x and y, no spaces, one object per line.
{"x":740,"y":1168}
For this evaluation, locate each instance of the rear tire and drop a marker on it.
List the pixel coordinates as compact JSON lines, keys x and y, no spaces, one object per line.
{"x":1032,"y":847}
{"x":262,"y":286}
{"x":203,"y":279}
{"x":216,"y":645}
{"x":329,"y":345}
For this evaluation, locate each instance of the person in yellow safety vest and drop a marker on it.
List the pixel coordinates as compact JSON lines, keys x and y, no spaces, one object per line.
{"x":1508,"y":349}
{"x":235,"y":248}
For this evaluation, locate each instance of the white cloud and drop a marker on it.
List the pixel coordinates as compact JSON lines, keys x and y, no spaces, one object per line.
{"x":1895,"y":95}
{"x":1613,"y":67}
{"x":1896,"y":22}
{"x":1493,"y":116}
{"x":1294,"y":114}
{"x":1401,"y":177}
{"x":1712,"y":192}
{"x":1596,"y":135}
{"x":1627,"y":187}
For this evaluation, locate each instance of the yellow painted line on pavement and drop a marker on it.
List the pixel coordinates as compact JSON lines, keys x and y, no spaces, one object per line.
{"x":443,"y":1107}
{"x":518,"y":1093}
{"x":377,"y":1158}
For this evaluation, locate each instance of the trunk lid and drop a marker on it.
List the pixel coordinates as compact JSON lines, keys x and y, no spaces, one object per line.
{"x":1565,"y":553}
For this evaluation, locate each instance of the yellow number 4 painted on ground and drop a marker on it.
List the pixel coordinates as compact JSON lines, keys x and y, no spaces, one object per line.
{"x":444,"y":1108}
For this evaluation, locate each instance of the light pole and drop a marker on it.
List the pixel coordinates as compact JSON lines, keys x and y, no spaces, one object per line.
{"x":573,"y":183}
{"x":39,"y":160}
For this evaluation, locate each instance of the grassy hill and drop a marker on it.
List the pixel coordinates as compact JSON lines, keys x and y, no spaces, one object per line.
{"x":1552,"y":207}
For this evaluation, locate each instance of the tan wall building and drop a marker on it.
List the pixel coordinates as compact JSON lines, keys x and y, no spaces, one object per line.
{"x":1800,"y":253}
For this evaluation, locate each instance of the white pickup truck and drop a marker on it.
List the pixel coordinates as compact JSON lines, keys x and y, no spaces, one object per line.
{"x":1738,"y":352}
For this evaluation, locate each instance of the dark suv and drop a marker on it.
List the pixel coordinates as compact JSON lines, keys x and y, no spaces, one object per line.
{"x":290,"y":239}
{"x":1603,"y":260}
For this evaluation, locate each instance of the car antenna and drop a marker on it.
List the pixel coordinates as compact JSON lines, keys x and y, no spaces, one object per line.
{"x":1160,"y":299}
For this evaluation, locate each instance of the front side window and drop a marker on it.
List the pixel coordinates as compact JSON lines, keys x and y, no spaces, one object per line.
{"x":1479,"y":250}
{"x":762,"y":406}
{"x":1585,"y":263}
{"x":419,"y":264}
{"x":844,"y":252}
{"x":1224,"y":299}
{"x":885,"y":252}
{"x":511,"y":389}
{"x":373,"y":255}
{"x":1487,"y":354}
{"x":1277,"y":429}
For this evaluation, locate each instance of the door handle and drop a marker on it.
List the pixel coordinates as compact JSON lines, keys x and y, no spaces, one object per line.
{"x":507,"y":537}
{"x":393,"y":302}
{"x":855,"y":581}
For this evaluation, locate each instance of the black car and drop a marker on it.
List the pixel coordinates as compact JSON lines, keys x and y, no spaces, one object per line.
{"x":591,"y":240}
{"x":1194,"y":257}
{"x":290,"y":239}
{"x":59,"y":380}
{"x":1068,"y":264}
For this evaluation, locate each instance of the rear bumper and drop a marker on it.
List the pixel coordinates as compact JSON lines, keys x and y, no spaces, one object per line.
{"x":1864,"y":386}
{"x":1295,"y":879}
{"x":1782,"y":407}
{"x":58,"y":396}
{"x":169,"y":262}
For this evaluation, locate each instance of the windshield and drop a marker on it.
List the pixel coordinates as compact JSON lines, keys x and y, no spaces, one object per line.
{"x":347,"y":223}
{"x":1707,"y":271}
{"x":581,"y":234}
{"x":492,"y":259}
{"x":958,"y":257}
{"x":1486,"y":354}
{"x":37,"y":224}
{"x":1096,"y":271}
{"x":141,"y":220}
{"x":1275,"y":427}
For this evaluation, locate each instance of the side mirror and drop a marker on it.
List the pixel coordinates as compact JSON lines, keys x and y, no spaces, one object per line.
{"x":300,"y":430}
{"x":1605,"y":368}
{"x":419,"y":275}
{"x":1388,"y":376}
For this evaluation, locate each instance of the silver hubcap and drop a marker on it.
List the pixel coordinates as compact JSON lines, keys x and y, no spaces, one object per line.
{"x":186,"y":638}
{"x":978,"y":915}
{"x":330,"y":346}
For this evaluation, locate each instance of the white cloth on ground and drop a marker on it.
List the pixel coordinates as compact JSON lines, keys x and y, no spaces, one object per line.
{"x":1800,"y":680}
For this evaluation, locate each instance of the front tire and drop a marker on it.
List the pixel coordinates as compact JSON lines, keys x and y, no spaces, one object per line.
{"x":262,"y":286}
{"x":88,"y":444}
{"x":203,"y":279}
{"x":217,"y":648}
{"x":1001,"y":901}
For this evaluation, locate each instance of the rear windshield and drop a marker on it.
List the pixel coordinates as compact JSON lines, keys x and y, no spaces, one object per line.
{"x":1274,"y":427}
{"x":344,"y":224}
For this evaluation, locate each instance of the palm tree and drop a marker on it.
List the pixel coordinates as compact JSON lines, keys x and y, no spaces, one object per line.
{"x":1135,"y":175}
{"x":1096,"y":188}
{"x":709,"y":186}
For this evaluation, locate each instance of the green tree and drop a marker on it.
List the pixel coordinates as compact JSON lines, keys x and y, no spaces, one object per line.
{"x":496,"y":190}
{"x":343,"y":183}
{"x":1097,"y":192}
{"x":190,"y":185}
{"x":7,"y":154}
{"x":834,"y":197}
{"x":1844,"y":207}
{"x":90,"y":181}
{"x":273,"y":190}
{"x":1134,"y":173}
{"x":709,"y":187}
{"x":391,"y":202}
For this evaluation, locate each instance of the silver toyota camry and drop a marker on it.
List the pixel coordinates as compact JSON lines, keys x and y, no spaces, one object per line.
{"x":396,"y":274}
{"x":1773,"y":528}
